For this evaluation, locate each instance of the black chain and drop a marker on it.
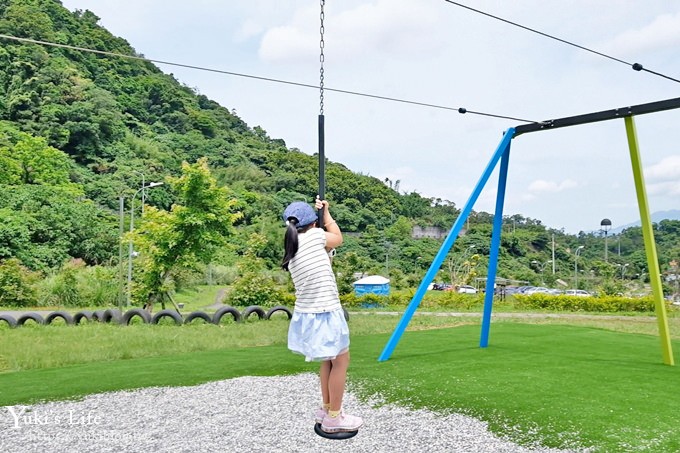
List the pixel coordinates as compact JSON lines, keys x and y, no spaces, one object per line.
{"x":321,"y":59}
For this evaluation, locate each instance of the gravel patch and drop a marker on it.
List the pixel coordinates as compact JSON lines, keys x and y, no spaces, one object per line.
{"x":247,"y":414}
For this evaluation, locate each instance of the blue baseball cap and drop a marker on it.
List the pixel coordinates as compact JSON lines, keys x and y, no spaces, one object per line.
{"x":301,"y":211}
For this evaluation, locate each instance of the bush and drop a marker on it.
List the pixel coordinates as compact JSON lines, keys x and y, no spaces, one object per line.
{"x":365,"y":301}
{"x":99,"y":286}
{"x":288,"y":300}
{"x":77,"y":285}
{"x":62,"y":289}
{"x":16,"y":284}
{"x":254,"y":289}
{"x":605,"y":304}
{"x":452,"y":300}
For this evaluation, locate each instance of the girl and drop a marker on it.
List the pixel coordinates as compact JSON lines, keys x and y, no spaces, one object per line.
{"x":318,"y":329}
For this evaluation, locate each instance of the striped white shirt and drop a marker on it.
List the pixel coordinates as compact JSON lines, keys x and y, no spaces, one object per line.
{"x":315,"y":288}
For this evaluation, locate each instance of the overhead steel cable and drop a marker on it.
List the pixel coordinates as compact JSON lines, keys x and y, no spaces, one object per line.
{"x":634,"y":66}
{"x":267,"y":79}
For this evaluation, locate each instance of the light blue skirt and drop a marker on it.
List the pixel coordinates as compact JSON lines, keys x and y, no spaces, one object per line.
{"x":318,"y":336}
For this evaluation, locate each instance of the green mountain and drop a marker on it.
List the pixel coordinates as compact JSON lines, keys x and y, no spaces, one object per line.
{"x":79,"y":130}
{"x":118,"y":118}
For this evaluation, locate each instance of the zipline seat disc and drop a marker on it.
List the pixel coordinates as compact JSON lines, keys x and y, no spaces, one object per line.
{"x":336,"y":436}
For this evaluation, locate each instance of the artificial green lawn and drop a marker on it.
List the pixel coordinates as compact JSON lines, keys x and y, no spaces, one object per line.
{"x":557,"y":385}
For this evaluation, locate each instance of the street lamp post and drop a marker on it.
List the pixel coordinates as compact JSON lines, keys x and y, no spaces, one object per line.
{"x":388,"y":248}
{"x":132,"y":227}
{"x":121,"y":228}
{"x":143,"y":191}
{"x":466,"y":252}
{"x":542,"y":266}
{"x":606,"y":225}
{"x":578,"y":250}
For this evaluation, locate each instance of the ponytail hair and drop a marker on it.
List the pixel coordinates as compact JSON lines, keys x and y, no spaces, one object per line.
{"x":290,"y":242}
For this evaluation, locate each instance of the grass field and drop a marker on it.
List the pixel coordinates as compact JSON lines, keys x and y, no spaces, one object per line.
{"x":594,"y":381}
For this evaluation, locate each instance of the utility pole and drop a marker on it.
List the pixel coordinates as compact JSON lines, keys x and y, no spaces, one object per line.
{"x":121,"y":228}
{"x":553,"y":253}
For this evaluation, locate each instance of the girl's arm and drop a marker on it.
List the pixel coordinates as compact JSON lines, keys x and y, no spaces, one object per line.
{"x":333,"y":233}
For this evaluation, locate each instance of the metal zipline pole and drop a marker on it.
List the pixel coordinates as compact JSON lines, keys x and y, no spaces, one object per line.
{"x":650,"y":245}
{"x":494,"y":250}
{"x":322,"y":133}
{"x":446,"y":246}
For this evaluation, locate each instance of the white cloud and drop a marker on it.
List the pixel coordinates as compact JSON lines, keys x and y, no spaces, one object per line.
{"x":662,"y":33}
{"x":541,"y":185}
{"x":248,"y":30}
{"x":668,"y":168}
{"x":670,"y":188}
{"x":373,"y":28}
{"x":287,"y":44}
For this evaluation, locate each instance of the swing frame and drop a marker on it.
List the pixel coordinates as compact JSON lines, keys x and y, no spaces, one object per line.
{"x":502,"y":153}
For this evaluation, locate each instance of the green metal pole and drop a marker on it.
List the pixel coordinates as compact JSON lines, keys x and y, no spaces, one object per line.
{"x":650,"y":245}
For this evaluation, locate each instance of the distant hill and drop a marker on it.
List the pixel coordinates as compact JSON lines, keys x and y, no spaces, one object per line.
{"x":673,"y":214}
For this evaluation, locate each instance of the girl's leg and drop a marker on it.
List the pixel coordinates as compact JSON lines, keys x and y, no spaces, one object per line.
{"x":324,"y":375}
{"x":336,"y":380}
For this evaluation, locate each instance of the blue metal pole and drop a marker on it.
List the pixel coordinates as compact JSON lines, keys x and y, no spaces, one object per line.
{"x":495,"y":246}
{"x":446,"y":246}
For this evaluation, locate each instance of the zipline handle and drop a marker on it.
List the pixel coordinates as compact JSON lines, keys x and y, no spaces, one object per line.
{"x":322,"y":167}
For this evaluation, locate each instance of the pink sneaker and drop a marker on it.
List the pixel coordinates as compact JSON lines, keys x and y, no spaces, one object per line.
{"x":341,"y":423}
{"x":319,"y":415}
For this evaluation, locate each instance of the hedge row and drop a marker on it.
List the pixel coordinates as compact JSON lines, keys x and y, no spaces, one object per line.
{"x":439,"y":299}
{"x":451,"y":300}
{"x":604,"y":304}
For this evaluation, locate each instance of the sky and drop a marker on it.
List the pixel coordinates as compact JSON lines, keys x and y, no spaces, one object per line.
{"x":434,"y":52}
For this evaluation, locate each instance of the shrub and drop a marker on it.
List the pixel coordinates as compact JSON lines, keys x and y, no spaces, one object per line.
{"x":288,"y":299}
{"x":365,"y":301}
{"x":399,"y":299}
{"x":65,"y":291}
{"x":16,"y":284}
{"x":99,"y":286}
{"x":77,"y":285}
{"x":254,"y":289}
{"x":452,"y":300}
{"x":606,"y":304}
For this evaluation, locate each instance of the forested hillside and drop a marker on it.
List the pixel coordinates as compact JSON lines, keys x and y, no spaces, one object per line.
{"x":79,"y":130}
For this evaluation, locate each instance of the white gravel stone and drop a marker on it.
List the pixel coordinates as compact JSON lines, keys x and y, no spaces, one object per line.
{"x":247,"y":414}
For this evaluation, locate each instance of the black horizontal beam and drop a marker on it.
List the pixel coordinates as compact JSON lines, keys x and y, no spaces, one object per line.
{"x":658,"y":106}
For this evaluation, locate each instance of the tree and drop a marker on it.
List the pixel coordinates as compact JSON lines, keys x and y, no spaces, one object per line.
{"x":33,"y":161}
{"x":169,"y":242}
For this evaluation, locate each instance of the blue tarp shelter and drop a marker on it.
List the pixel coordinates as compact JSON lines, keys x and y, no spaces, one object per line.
{"x":374,"y":284}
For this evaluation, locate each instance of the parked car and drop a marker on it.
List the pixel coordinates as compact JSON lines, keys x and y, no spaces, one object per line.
{"x":442,"y":287}
{"x":537,"y":289}
{"x":511,"y":290}
{"x":577,"y":292}
{"x":522,"y":289}
{"x":467,"y":289}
